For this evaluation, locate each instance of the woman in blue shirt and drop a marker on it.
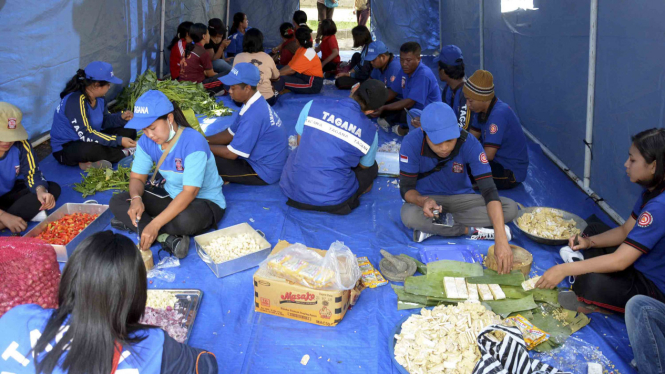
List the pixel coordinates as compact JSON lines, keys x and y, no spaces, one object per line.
{"x":96,"y":328}
{"x":83,"y":131}
{"x":24,"y":192}
{"x":359,"y":68}
{"x":237,"y":34}
{"x":611,"y":266}
{"x":191,"y":201}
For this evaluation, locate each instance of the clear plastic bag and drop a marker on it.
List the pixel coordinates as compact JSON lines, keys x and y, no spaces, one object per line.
{"x":168,"y":262}
{"x":337,"y":270}
{"x":161,"y":274}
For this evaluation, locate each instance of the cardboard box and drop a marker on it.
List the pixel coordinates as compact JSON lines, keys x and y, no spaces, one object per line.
{"x":282,"y":298}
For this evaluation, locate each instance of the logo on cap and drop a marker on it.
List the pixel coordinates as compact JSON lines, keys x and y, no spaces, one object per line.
{"x":11,"y":123}
{"x":494,"y":129}
{"x":141,"y":110}
{"x":483,"y":158}
{"x":112,"y":73}
{"x":234,"y":71}
{"x":371,"y":50}
{"x":645,"y":220}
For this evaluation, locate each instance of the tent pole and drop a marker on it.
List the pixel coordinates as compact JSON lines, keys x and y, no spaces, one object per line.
{"x":161,"y":42}
{"x":440,"y":26}
{"x":482,"y":34}
{"x":591,"y":90}
{"x":228,"y":9}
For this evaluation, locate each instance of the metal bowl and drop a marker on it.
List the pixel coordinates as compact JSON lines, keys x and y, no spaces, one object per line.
{"x":579,"y":223}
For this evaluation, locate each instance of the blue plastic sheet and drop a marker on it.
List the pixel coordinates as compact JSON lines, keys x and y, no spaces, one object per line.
{"x":248,"y":342}
{"x":266,"y":15}
{"x":395,"y":22}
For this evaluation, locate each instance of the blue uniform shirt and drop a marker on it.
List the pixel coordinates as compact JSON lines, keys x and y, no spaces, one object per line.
{"x":189,"y":163}
{"x":236,"y":43}
{"x":259,"y":137}
{"x":334,"y":140}
{"x":391,"y":76}
{"x":502,"y":130}
{"x":456,"y":100}
{"x":422,"y":87}
{"x":417,"y":157}
{"x":19,"y":161}
{"x":648,"y":237}
{"x":75,"y":120}
{"x":23,"y":323}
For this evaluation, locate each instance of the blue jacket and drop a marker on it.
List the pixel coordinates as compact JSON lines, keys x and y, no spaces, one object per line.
{"x":19,"y":161}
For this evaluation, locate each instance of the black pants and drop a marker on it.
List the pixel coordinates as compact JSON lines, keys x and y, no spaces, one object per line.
{"x":611,"y":290}
{"x":345,"y":83}
{"x":198,"y":217}
{"x":238,"y":171}
{"x":331,"y":66}
{"x":76,"y":152}
{"x":395,"y":117}
{"x":299,"y":83}
{"x":22,"y":203}
{"x":365,"y":177}
{"x":504,"y":179}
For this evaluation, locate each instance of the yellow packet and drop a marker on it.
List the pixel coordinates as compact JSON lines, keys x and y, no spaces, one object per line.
{"x":532,"y":335}
{"x":371,"y":277}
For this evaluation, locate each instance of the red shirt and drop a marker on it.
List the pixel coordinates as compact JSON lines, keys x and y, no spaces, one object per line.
{"x":177,"y":52}
{"x":198,"y":61}
{"x":327,"y":45}
{"x":288,"y":51}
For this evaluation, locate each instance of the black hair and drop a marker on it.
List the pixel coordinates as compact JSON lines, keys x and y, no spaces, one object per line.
{"x":102,"y":296}
{"x":243,"y":85}
{"x":216,"y":27}
{"x":454,"y":72}
{"x":361,"y":36}
{"x":253,"y":41}
{"x":178,"y":116}
{"x":238,"y":18}
{"x":196,"y":32}
{"x":328,"y":27}
{"x":651,"y":144}
{"x":300,"y":18}
{"x":410,"y":47}
{"x":183,"y":30}
{"x":79,"y":82}
{"x":363,"y":104}
{"x":286,"y":30}
{"x":304,"y":36}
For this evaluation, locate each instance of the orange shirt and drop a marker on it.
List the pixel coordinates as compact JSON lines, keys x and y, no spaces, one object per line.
{"x":307,"y":62}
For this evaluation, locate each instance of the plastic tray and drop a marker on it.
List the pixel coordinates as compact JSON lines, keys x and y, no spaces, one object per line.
{"x":189,"y":301}
{"x":64,"y":251}
{"x":388,"y":163}
{"x":580,"y":224}
{"x":239,"y":264}
{"x":455,"y":252}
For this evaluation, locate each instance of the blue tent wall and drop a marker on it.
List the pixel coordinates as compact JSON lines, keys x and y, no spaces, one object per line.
{"x":266,"y":15}
{"x":539,"y":59}
{"x":396,"y":21}
{"x":46,"y":41}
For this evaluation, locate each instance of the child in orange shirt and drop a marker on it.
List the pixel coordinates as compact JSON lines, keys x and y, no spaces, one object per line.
{"x":304,"y":74}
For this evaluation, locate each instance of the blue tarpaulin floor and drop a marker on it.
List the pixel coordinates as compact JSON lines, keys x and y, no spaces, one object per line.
{"x":248,"y":342}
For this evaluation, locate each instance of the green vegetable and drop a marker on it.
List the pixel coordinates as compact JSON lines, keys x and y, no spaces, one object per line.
{"x":98,"y":180}
{"x":188,"y":95}
{"x":424,"y":286}
{"x":422,"y":268}
{"x":447,"y":268}
{"x":515,"y":278}
{"x":505,"y":307}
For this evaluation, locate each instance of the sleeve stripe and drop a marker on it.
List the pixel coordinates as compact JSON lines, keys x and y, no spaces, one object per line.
{"x":407,"y":174}
{"x":492,"y":145}
{"x":31,"y":163}
{"x":231,"y":131}
{"x":87,"y":125}
{"x":239,"y":153}
{"x":633,"y":215}
{"x":636,"y":245}
{"x":483,"y":177}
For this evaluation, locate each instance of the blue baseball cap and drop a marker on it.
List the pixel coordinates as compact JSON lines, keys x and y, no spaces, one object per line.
{"x":450,"y":55}
{"x":101,"y":71}
{"x":150,"y":106}
{"x":439,"y":122}
{"x":243,"y":72}
{"x":374,"y":50}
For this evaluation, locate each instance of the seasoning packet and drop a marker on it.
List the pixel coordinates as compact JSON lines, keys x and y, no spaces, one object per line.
{"x":371,"y":277}
{"x":532,"y":335}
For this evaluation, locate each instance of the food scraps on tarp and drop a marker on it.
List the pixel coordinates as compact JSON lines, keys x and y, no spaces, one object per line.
{"x":443,"y":340}
{"x":280,"y":297}
{"x":29,"y":272}
{"x":65,"y":229}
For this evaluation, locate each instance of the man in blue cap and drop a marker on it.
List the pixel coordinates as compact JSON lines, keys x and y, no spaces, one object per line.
{"x":419,"y":88}
{"x":433,"y":176}
{"x":451,"y":72}
{"x":387,"y":68}
{"x":254,"y":148}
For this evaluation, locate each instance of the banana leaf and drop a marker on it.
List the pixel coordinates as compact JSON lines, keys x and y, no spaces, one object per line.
{"x":515,"y":278}
{"x":424,"y":286}
{"x":559,"y":329}
{"x":422,"y":268}
{"x":549,"y":296}
{"x":404,"y":296}
{"x":505,"y":307}
{"x":401,"y":305}
{"x":437,"y":270}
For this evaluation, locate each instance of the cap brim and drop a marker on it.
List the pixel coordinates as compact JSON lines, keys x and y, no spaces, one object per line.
{"x":115,"y":80}
{"x":443,"y":135}
{"x":371,"y":57}
{"x":437,"y":58}
{"x":230,"y":80}
{"x":139,"y":123}
{"x":15,"y":135}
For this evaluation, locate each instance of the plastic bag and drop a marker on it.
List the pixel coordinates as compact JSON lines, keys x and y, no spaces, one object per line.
{"x":161,"y":274}
{"x":29,"y":273}
{"x":337,"y":270}
{"x":168,"y":262}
